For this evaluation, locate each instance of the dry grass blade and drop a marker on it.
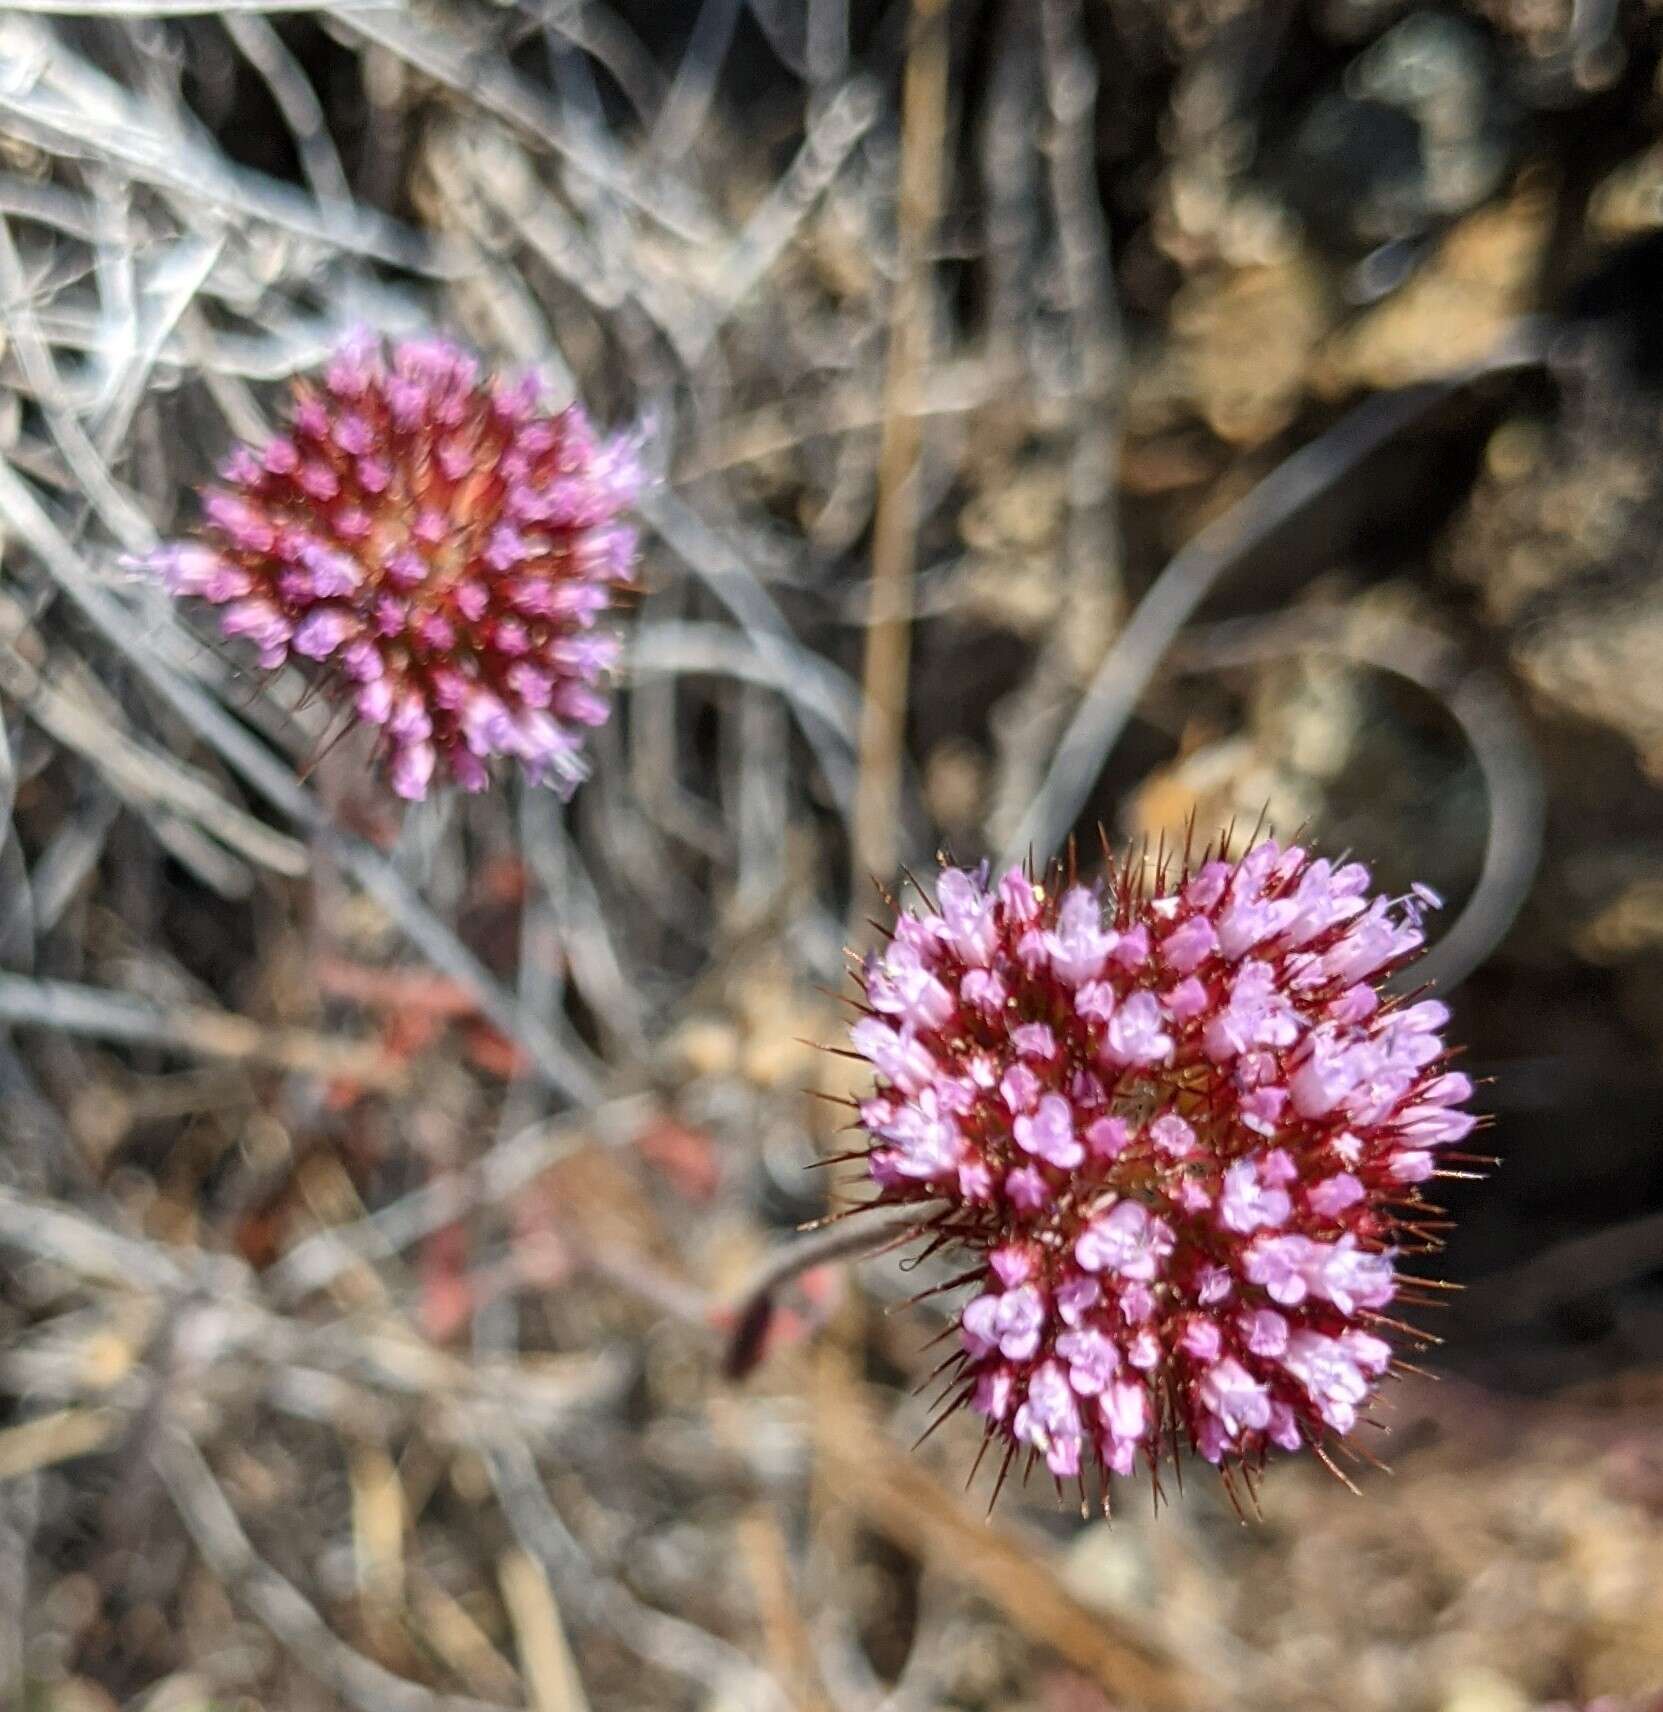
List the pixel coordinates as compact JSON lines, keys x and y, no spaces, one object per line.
{"x":45,"y":1440}
{"x":787,"y":1636}
{"x":89,"y":1250}
{"x":17,"y":910}
{"x":1097,"y":372}
{"x":192,"y":1030}
{"x":546,"y":1656}
{"x":719,"y":565}
{"x":503,"y":1171}
{"x":837,"y":128}
{"x":875,"y":848}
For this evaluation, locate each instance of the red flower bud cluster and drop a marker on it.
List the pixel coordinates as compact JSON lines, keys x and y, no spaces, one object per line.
{"x":1178,"y":1132}
{"x":439,"y":548}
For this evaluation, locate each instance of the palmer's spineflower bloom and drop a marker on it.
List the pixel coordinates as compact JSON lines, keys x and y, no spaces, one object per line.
{"x":438,"y":547}
{"x":1177,"y":1132}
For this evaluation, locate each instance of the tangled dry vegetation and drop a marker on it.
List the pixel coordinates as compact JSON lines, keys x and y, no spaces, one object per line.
{"x":1216,"y":406}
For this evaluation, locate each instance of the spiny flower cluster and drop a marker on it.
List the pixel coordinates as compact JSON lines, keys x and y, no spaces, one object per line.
{"x":1178,"y":1132}
{"x":441,"y":546}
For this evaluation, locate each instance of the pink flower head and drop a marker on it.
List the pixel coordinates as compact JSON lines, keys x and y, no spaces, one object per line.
{"x":437,"y":548}
{"x":1183,"y":1147}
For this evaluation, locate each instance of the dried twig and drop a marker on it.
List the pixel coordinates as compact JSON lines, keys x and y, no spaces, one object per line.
{"x":753,"y":1308}
{"x":1028,"y":722}
{"x":550,"y":1670}
{"x":875,"y":847}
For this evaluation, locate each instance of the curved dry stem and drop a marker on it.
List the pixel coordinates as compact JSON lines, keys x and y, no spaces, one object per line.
{"x":1493,"y":731}
{"x":849,"y":1238}
{"x":1189,"y":578}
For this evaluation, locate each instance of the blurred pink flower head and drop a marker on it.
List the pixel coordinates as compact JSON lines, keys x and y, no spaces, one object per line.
{"x":438,"y":547}
{"x":1179,"y":1130}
